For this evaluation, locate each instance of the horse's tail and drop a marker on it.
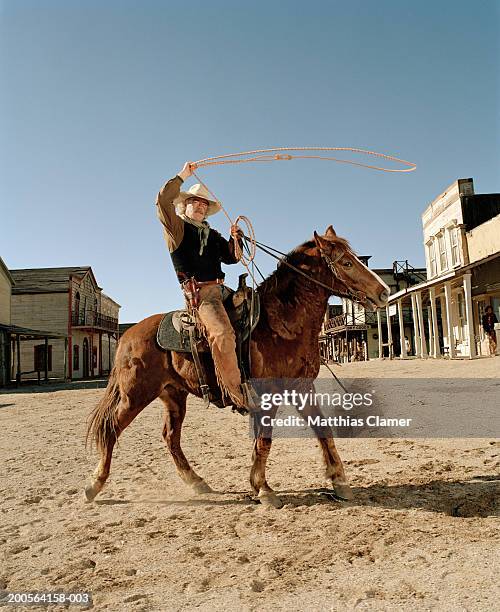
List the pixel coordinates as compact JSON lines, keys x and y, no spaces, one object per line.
{"x":102,"y":424}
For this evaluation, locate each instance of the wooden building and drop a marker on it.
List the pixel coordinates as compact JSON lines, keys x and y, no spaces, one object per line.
{"x":462,"y":243}
{"x":13,"y":337}
{"x":68,"y":302}
{"x":353,"y":334}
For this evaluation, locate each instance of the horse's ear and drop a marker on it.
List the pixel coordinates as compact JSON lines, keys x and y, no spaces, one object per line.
{"x":330,"y":232}
{"x":320,"y":243}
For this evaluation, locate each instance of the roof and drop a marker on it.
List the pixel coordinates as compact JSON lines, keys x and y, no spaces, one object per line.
{"x":122,"y":327}
{"x":106,"y":296}
{"x":26,"y":331}
{"x":423,"y":285}
{"x":45,"y":280}
{"x":7,"y":271}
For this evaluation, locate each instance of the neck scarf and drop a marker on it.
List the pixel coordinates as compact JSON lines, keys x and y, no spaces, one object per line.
{"x":203,"y":230}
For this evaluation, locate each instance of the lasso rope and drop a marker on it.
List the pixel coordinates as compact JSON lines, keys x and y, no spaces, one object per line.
{"x":282,"y":154}
{"x":245,"y":260}
{"x":277,"y":154}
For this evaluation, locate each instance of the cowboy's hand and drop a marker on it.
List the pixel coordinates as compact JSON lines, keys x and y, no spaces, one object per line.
{"x":187,"y":170}
{"x":236,"y":232}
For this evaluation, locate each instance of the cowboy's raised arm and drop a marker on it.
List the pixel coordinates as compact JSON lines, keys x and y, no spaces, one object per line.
{"x":173,"y":225}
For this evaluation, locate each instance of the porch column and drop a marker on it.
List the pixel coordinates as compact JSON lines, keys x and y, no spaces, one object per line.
{"x":403,"y":354}
{"x":65,"y":361}
{"x":429,"y":332}
{"x":469,"y":315}
{"x":46,"y":360}
{"x":3,"y":360}
{"x":449,"y":320}
{"x":389,"y":333}
{"x":414,"y":314}
{"x":99,"y":362}
{"x":436,"y":351}
{"x":420,"y":312}
{"x":379,"y":325}
{"x":18,"y":349}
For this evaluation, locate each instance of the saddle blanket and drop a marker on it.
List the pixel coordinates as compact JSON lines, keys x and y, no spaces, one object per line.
{"x":171,"y":336}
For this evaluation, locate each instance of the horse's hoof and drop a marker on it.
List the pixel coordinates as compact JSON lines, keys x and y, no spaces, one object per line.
{"x":201,"y":487}
{"x":90,"y":493}
{"x":270,"y":500}
{"x":343,"y":491}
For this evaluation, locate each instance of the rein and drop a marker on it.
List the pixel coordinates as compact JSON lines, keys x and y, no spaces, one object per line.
{"x":355,"y":295}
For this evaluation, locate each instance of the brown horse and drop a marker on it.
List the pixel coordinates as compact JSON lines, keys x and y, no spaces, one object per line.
{"x":284,"y":345}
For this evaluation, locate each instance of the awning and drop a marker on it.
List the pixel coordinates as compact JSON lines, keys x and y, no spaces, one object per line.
{"x":30,"y":333}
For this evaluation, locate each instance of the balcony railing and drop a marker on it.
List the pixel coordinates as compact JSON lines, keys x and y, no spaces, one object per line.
{"x":91,"y":318}
{"x":359,"y":320}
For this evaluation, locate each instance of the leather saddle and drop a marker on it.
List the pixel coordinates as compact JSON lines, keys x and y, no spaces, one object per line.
{"x":177,"y":332}
{"x":242,"y":307}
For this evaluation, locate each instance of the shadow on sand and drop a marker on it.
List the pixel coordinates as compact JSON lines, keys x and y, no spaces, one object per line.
{"x":50,"y":387}
{"x":478,"y":497}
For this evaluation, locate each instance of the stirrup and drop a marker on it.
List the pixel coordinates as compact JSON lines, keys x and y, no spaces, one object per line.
{"x":252,"y":400}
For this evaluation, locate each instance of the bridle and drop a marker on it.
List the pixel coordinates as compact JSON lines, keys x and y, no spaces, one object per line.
{"x":357,"y":296}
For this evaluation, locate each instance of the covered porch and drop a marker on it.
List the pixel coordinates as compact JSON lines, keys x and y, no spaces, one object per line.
{"x":11,"y":337}
{"x":444,"y":324}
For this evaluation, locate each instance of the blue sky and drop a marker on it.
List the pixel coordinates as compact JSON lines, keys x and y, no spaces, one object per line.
{"x":102,"y":102}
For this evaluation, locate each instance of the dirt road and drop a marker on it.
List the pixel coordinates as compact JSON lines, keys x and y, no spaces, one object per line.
{"x":421,"y":534}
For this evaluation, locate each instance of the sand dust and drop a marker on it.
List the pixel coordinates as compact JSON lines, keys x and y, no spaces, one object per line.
{"x":422,"y":533}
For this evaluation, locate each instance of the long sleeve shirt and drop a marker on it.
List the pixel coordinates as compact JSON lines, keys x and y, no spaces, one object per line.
{"x":182,"y":241}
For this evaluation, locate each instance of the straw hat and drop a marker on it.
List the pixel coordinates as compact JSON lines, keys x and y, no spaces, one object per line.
{"x":196,"y":191}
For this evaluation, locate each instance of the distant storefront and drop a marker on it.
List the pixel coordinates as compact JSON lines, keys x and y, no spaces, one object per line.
{"x":462,"y":242}
{"x":82,"y":322}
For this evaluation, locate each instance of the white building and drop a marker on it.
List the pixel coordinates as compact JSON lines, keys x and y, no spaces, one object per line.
{"x":461,"y":233}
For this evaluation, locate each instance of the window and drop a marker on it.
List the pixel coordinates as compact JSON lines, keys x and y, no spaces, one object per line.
{"x":76,"y":312}
{"x":455,"y":255}
{"x":76,"y":357}
{"x":432,"y":259}
{"x":39,"y":358}
{"x":443,"y":260}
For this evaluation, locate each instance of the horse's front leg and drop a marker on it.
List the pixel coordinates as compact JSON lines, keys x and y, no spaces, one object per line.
{"x":174,"y":401}
{"x":261,"y":450}
{"x":334,"y":469}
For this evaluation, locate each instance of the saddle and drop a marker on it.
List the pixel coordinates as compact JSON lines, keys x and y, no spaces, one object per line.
{"x":178,"y":332}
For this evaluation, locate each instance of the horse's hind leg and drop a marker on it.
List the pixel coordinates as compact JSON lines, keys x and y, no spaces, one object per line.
{"x":126,"y":411}
{"x":128,"y":392}
{"x":174,"y":401}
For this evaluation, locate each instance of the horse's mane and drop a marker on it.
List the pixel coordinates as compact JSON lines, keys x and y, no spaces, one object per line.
{"x":284,"y":282}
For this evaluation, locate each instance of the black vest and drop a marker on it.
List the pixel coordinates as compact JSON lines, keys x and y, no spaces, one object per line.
{"x":188,"y":262}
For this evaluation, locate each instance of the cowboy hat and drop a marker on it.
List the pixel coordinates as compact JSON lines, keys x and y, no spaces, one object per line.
{"x":196,"y":191}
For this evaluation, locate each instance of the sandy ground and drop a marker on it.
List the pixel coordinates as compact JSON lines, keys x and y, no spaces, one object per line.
{"x":422,"y":533}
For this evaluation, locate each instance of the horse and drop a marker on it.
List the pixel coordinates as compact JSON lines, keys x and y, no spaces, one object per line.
{"x":284,"y":344}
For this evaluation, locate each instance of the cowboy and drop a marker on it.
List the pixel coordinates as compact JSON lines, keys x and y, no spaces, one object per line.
{"x":197,"y":252}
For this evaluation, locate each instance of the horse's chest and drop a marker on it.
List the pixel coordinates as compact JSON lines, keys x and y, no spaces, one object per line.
{"x":289,"y":363}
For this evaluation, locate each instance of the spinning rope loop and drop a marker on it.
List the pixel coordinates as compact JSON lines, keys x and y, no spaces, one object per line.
{"x":265,"y":155}
{"x":283,"y":154}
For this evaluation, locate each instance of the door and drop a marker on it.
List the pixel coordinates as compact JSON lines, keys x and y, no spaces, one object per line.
{"x":85,"y":358}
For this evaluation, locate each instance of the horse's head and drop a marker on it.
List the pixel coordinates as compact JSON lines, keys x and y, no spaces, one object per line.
{"x":351,"y":277}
